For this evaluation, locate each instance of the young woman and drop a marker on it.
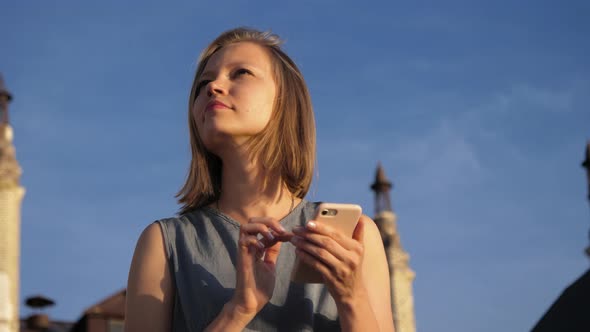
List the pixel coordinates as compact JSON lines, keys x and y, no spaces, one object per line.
{"x":224,"y":264}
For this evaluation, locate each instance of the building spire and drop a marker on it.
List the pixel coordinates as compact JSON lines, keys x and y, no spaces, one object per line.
{"x":11,"y":194}
{"x":10,"y":171}
{"x":400,"y":274}
{"x":381,"y":187}
{"x":586,"y":165}
{"x":5,"y":98}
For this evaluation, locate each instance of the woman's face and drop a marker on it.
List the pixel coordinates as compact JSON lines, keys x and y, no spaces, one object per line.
{"x":235,"y":95}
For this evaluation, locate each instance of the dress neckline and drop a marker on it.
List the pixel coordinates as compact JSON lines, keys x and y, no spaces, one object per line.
{"x":214,"y":211}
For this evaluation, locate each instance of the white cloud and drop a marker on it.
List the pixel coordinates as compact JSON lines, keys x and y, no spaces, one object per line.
{"x":524,"y":97}
{"x":534,"y":97}
{"x":439,"y":160}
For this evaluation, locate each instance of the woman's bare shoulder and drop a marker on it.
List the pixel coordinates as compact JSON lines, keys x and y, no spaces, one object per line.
{"x":150,"y":289}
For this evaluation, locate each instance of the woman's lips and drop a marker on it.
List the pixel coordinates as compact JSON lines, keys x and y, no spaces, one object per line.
{"x":215,"y":105}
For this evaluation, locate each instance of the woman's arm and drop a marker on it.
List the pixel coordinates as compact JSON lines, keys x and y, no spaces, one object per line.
{"x":150,"y":289}
{"x":355,"y":271}
{"x":376,"y":275}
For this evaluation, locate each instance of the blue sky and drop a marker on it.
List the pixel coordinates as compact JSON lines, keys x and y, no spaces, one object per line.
{"x":478,"y":112}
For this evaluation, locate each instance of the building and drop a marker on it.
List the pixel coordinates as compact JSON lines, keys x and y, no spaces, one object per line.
{"x":38,"y":321}
{"x":11,"y":195}
{"x":400,"y":273}
{"x":107,"y":315}
{"x":570,"y":312}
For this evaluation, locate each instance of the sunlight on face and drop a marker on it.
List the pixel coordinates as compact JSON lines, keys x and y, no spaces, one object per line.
{"x":235,"y":95}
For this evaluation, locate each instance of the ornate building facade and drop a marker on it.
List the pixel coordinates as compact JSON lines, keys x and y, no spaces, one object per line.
{"x":400,"y":273}
{"x":11,"y":194}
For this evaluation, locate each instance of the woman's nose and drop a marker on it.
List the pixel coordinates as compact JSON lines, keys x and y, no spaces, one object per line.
{"x":215,"y":87}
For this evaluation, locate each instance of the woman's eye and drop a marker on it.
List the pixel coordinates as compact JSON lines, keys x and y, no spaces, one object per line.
{"x":242,"y":71}
{"x":202,"y":84}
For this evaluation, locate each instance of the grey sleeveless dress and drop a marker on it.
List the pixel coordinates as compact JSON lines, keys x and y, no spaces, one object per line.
{"x":201,"y":247}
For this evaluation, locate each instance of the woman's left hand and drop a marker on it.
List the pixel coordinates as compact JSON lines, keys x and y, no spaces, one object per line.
{"x":337,"y":257}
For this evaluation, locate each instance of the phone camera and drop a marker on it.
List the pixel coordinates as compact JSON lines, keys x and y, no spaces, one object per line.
{"x":329,"y":212}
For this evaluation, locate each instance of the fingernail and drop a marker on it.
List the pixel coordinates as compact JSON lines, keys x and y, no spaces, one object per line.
{"x":260,"y":245}
{"x":311,"y":224}
{"x":270,"y":236}
{"x":282,"y":229}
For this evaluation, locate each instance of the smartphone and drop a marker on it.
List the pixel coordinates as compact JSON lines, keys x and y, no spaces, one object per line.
{"x":342,"y":217}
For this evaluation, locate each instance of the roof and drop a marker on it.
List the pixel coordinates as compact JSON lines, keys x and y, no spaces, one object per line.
{"x":54,"y":326}
{"x":570,"y":311}
{"x":112,"y":306}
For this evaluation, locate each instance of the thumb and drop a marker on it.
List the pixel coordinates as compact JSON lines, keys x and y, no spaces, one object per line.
{"x":244,"y":254}
{"x":272,"y":253}
{"x":359,"y":230}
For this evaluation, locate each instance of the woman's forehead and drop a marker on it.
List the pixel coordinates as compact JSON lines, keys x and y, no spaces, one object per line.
{"x":241,"y":53}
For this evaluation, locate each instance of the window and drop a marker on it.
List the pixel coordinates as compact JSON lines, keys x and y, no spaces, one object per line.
{"x":115,"y":325}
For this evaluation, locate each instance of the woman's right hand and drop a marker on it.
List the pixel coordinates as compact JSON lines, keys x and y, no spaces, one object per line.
{"x":256,"y":264}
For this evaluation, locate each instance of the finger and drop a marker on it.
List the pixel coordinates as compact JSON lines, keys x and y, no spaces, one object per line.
{"x":324,"y":242}
{"x":244,"y":258}
{"x":273,"y":231}
{"x":259,"y":254}
{"x":359,"y":231}
{"x":325,"y":256}
{"x":312,"y":261}
{"x":284,"y":237}
{"x":261,"y":229}
{"x":317,"y":227}
{"x":268,"y":242}
{"x":250,"y":249}
{"x":269,"y":222}
{"x":247,"y":241}
{"x":272,"y":254}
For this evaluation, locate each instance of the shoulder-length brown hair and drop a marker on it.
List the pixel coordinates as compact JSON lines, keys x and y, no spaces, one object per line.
{"x":287,"y":144}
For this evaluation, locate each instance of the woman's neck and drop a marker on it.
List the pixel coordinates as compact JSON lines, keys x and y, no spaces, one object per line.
{"x":248,"y":191}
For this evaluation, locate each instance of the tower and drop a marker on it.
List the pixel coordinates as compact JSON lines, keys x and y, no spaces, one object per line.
{"x":586,"y":165}
{"x":400,"y":274}
{"x":11,"y":194}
